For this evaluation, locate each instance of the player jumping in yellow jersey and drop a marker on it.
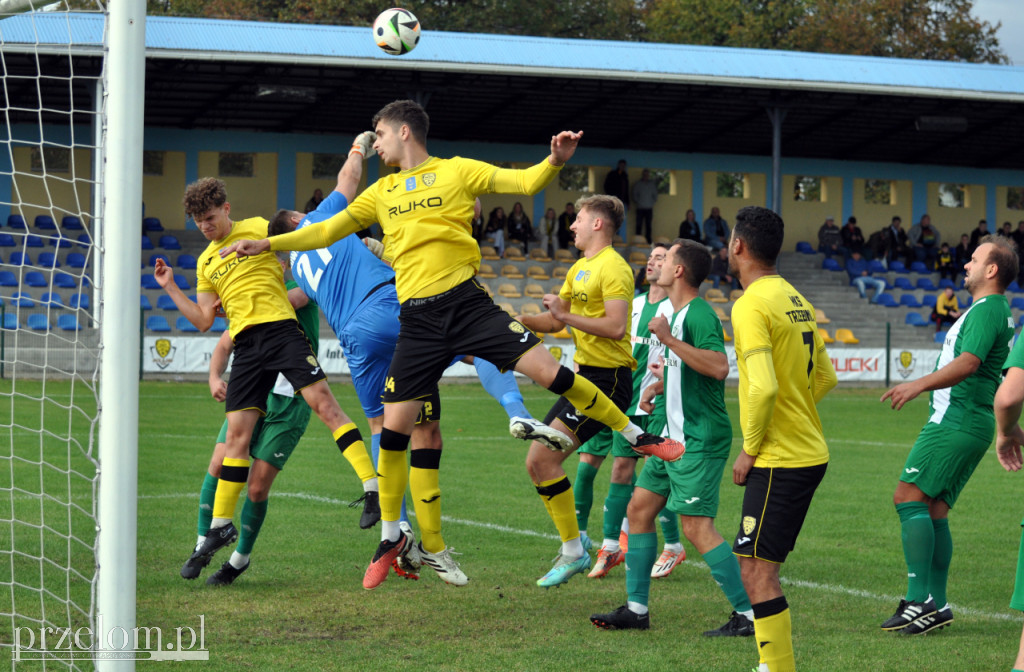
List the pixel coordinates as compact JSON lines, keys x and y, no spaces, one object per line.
{"x":267,"y":341}
{"x":424,"y":211}
{"x":784,"y":372}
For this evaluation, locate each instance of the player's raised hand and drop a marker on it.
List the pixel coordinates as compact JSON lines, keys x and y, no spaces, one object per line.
{"x":163,"y":273}
{"x":563,"y":146}
{"x":659,"y":327}
{"x":246,"y":248}
{"x":556,"y":306}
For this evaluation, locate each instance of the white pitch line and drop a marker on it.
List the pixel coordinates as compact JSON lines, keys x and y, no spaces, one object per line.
{"x":799,"y":583}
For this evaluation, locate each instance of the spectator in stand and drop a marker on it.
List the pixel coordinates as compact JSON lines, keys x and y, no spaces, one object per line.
{"x":645,"y":194}
{"x":860,"y":277}
{"x":497,"y":226}
{"x":716,"y":231}
{"x":962,"y":253}
{"x":853,"y":239}
{"x":616,"y":183}
{"x":689,"y":228}
{"x":720,"y":270}
{"x":519,"y":226}
{"x":545,"y":231}
{"x":896,"y":242}
{"x":565,"y":220}
{"x":1006,"y":231}
{"x":977,"y":235}
{"x":314,"y":200}
{"x":947,"y":310}
{"x":830,"y":238}
{"x":925,"y":241}
{"x":477,"y":224}
{"x":945,"y":263}
{"x":1018,"y":236}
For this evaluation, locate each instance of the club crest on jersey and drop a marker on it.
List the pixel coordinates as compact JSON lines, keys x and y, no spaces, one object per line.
{"x":429,"y":179}
{"x":410,"y":183}
{"x":312,"y":361}
{"x":748,"y":524}
{"x":515,"y":326}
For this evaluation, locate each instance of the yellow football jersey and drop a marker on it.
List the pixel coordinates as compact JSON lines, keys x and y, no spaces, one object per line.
{"x":772,"y":317}
{"x":425,"y":213}
{"x":251,"y":289}
{"x":589,"y":283}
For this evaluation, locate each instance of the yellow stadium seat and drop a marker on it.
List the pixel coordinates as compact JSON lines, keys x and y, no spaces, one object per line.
{"x":721,"y":313}
{"x":639,"y":240}
{"x":513,"y":252}
{"x":529,"y":309}
{"x":820,"y":317}
{"x":824,"y":335}
{"x":558,"y":273}
{"x":534,"y":291}
{"x":486,"y":271}
{"x":490,"y":292}
{"x":638,"y":258}
{"x":561,"y":333}
{"x":537,"y":273}
{"x":617,"y":241}
{"x":663,"y":239}
{"x":507,"y":307}
{"x":510,"y":271}
{"x":488,"y":252}
{"x":556,"y":289}
{"x":735,"y":294}
{"x":726,"y":337}
{"x":715,"y":296}
{"x":509,"y":291}
{"x":846,"y":336}
{"x":565,"y":256}
{"x":537,"y":254}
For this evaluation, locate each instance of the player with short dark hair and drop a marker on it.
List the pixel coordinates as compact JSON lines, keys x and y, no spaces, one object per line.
{"x":784,"y":372}
{"x":955,"y":438}
{"x":267,"y":341}
{"x":425,"y":210}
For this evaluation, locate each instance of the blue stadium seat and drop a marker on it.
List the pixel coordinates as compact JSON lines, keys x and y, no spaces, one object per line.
{"x":45,"y":223}
{"x":903,"y":283}
{"x":23,"y":300}
{"x":164,"y":302}
{"x":876,"y":266}
{"x":64,"y":280}
{"x":169,"y":243}
{"x":830,"y":264}
{"x":32,"y":240}
{"x":157,"y":323}
{"x":68,"y":323}
{"x":804,"y":247}
{"x":35,"y":279}
{"x":1018,"y":303}
{"x":10,"y":321}
{"x":909,"y":301}
{"x":928,"y":300}
{"x":61,"y":243}
{"x":51,"y":300}
{"x":149,"y":282}
{"x":144,"y":303}
{"x":186,"y":262}
{"x":897,"y":267}
{"x":219,"y":325}
{"x":940,"y":337}
{"x":181,"y":281}
{"x":926,"y":284}
{"x":71,"y":223}
{"x":147,"y":244}
{"x":84,"y":240}
{"x":76,"y":260}
{"x":79,"y":300}
{"x":16,"y":222}
{"x":918,"y":267}
{"x":154,"y":257}
{"x":968,"y":301}
{"x":48,"y":260}
{"x":946,"y":282}
{"x":152,"y":224}
{"x":1020,"y":320}
{"x":6,"y":240}
{"x":38,"y":322}
{"x":8,"y":279}
{"x":886,"y":299}
{"x":917,"y":320}
{"x":182,"y":324}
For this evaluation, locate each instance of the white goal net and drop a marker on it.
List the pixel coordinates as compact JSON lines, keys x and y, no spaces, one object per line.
{"x":58,"y":468}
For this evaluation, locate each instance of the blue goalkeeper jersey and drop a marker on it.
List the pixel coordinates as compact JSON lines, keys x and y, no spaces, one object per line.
{"x":341,"y":276}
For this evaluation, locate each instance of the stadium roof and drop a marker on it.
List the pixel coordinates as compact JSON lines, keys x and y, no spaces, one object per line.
{"x":216,"y":74}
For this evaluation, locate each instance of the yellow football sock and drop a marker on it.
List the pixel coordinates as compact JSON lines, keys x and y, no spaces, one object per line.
{"x":392,"y":473}
{"x":234,"y":472}
{"x":350,"y":443}
{"x":425,"y":488}
{"x":774,"y":637}
{"x":561,"y":505}
{"x":594,"y":403}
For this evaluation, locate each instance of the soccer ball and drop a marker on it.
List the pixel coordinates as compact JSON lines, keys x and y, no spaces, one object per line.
{"x":396,"y":31}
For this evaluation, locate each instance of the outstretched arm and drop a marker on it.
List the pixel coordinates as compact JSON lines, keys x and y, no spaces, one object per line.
{"x":951,"y":374}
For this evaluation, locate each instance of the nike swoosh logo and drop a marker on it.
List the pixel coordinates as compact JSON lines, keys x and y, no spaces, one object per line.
{"x":432,"y":499}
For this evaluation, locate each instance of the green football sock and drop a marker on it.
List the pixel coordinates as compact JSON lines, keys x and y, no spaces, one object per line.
{"x":206,"y":495}
{"x":918,"y":537}
{"x":640,"y":558}
{"x":941,"y":557}
{"x":583,"y":489}
{"x":615,"y":505}
{"x":252,"y":517}
{"x":669,"y":526}
{"x":725,"y":570}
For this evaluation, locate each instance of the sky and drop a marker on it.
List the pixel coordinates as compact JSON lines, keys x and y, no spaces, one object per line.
{"x":1011,"y":34}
